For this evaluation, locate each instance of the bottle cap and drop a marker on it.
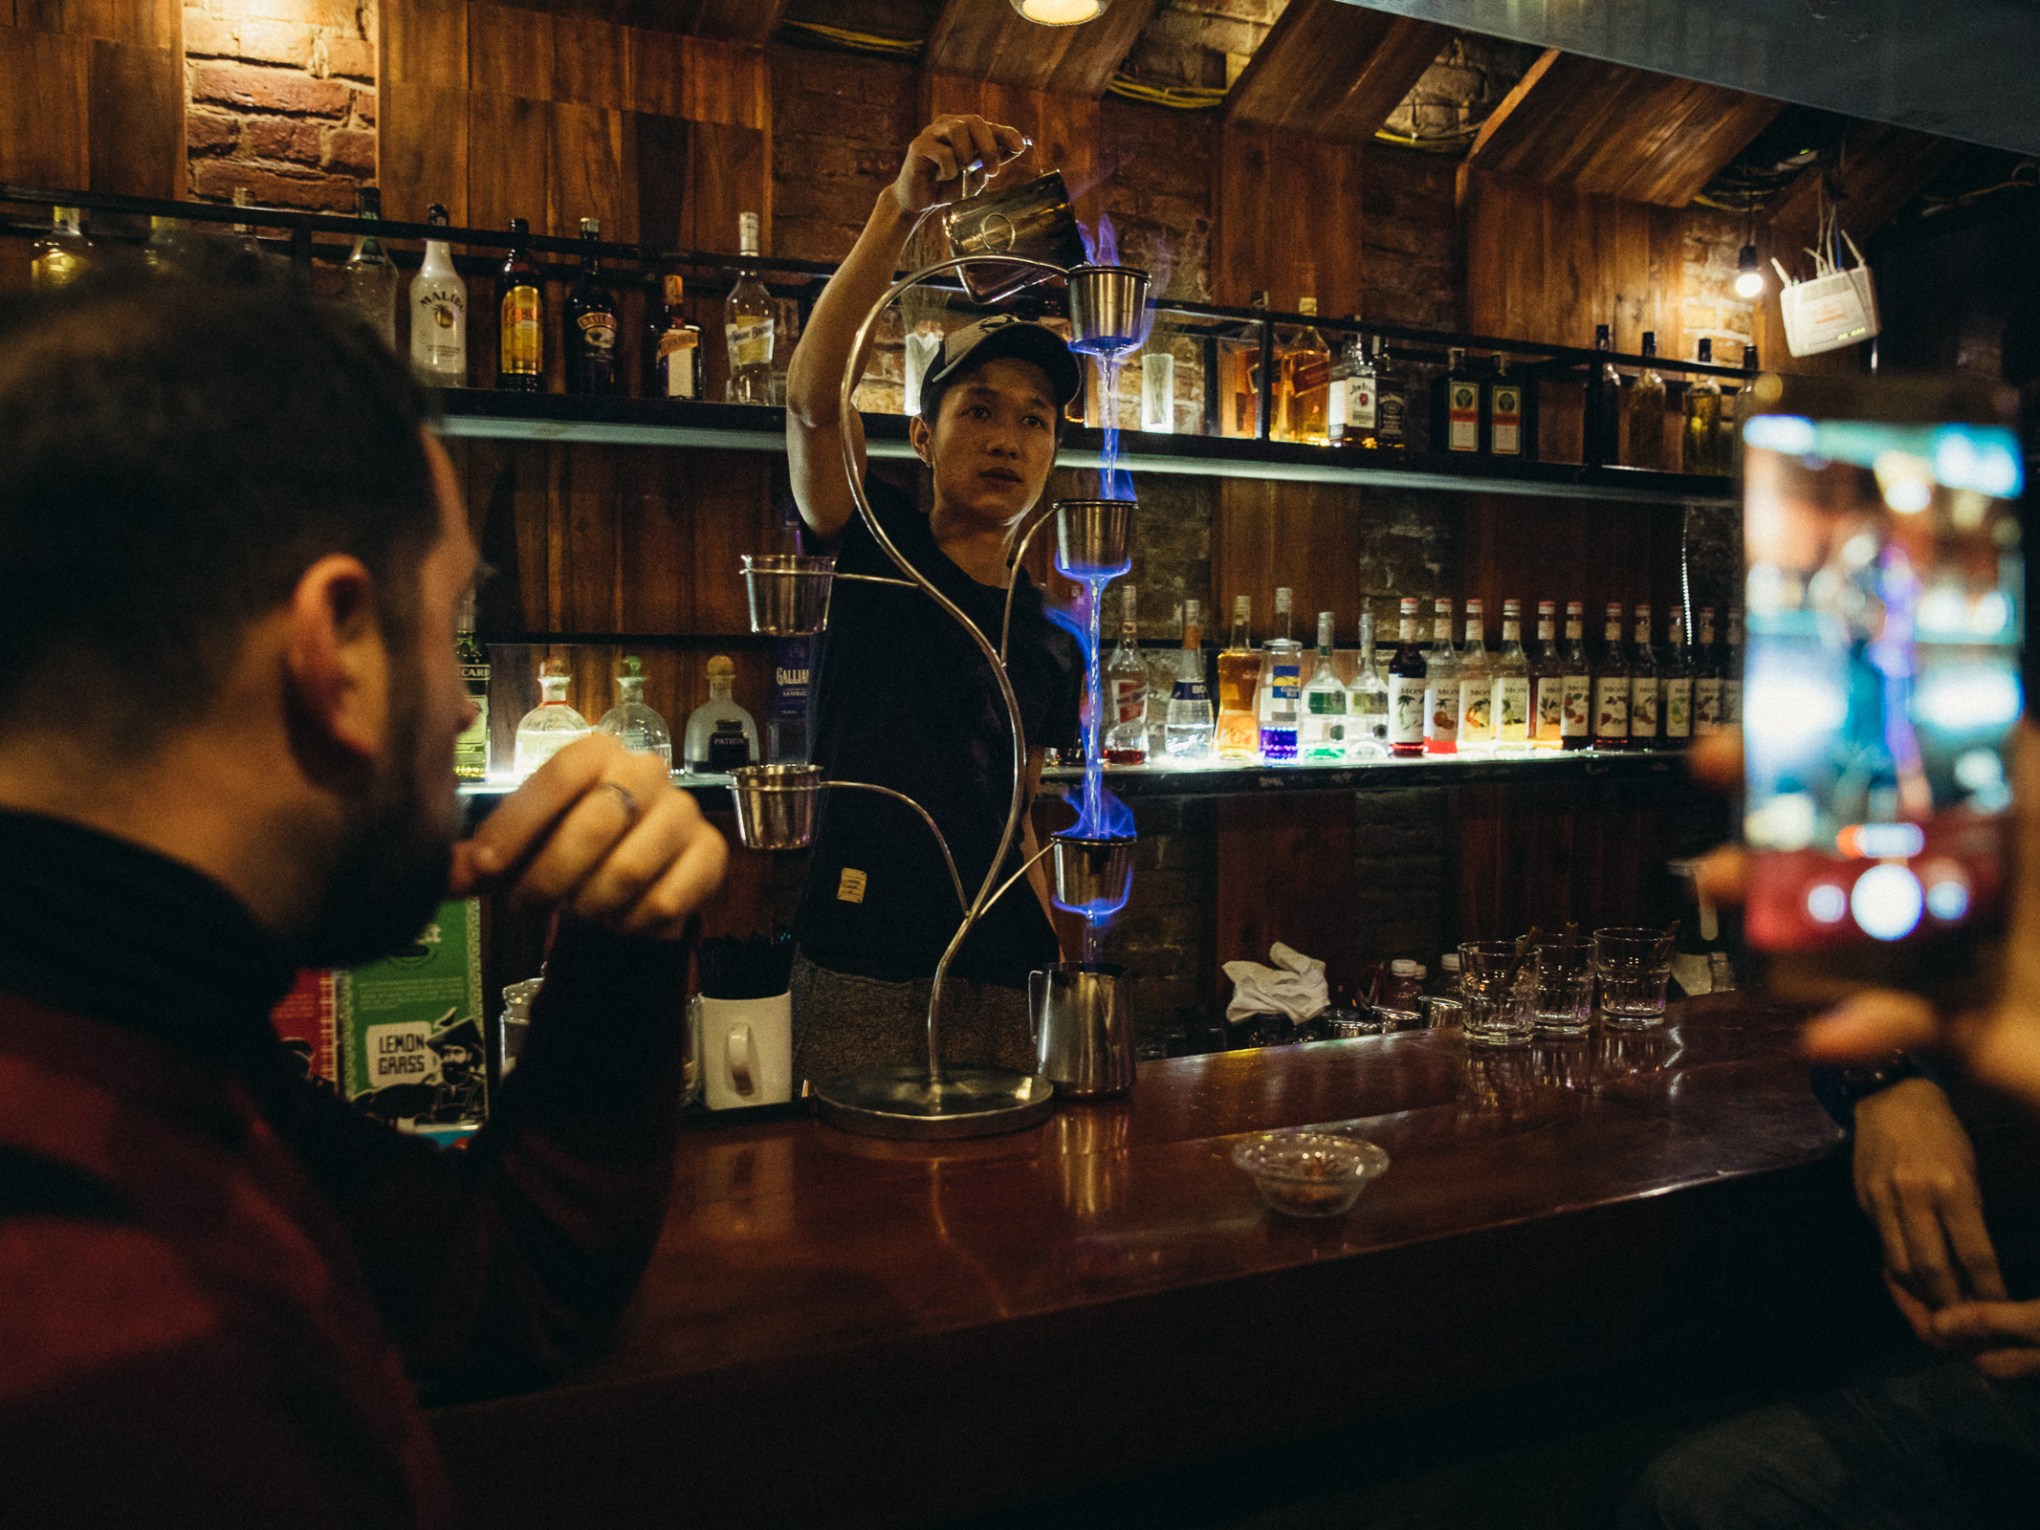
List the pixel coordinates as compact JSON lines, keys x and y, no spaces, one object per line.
{"x":1403,"y":967}
{"x":591,"y":228}
{"x":1409,"y":605}
{"x":1449,"y":962}
{"x":1282,"y":597}
{"x":722,"y":667}
{"x":554,"y":669}
{"x":436,"y":215}
{"x":632,"y":667}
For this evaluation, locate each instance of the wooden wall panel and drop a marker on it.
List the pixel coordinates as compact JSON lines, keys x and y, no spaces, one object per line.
{"x":1285,"y":872}
{"x":1593,"y":551}
{"x":1065,"y":130}
{"x":92,"y":96}
{"x":136,"y":113}
{"x":1305,"y":536}
{"x":1334,"y":71}
{"x":45,"y":90}
{"x":1286,"y":220}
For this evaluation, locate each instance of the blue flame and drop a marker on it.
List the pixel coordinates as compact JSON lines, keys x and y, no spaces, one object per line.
{"x":1100,"y":815}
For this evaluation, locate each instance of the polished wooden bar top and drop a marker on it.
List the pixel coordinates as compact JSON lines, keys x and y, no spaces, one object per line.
{"x":789,"y":1243}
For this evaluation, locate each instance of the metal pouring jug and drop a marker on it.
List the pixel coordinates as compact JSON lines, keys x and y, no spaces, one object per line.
{"x":1035,"y":220}
{"x":1083,"y":1031}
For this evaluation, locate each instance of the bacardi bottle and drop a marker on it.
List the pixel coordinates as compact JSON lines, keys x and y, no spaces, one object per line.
{"x":1611,"y":685}
{"x":1677,"y":674}
{"x":1280,"y":702}
{"x":1239,"y":682}
{"x":1367,"y":699}
{"x":1644,"y":685}
{"x":1511,"y":712}
{"x":1706,"y":679}
{"x":1186,"y":734}
{"x":438,"y":314}
{"x":633,"y":724}
{"x":471,"y":749}
{"x":1547,"y":681}
{"x":720,"y":734}
{"x":1476,"y":683}
{"x":1576,"y":722}
{"x":1325,"y":723}
{"x":594,"y":323}
{"x":749,"y":323}
{"x":1408,"y":685}
{"x":1441,"y":684}
{"x":551,"y":725}
{"x":520,"y":317}
{"x":368,"y":280}
{"x":1126,"y":684}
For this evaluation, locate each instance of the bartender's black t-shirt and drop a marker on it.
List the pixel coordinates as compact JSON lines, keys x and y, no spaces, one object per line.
{"x":904,"y":699}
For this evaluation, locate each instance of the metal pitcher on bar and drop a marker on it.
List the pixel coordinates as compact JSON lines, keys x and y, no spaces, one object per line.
{"x":1035,"y":221}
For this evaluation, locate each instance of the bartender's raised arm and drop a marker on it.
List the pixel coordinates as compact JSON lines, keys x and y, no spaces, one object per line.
{"x":930,"y":175}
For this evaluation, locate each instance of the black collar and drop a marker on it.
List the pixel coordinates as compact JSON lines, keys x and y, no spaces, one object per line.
{"x":101,"y":927}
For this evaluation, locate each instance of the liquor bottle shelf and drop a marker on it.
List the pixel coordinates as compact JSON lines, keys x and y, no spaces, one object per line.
{"x":477,"y":413}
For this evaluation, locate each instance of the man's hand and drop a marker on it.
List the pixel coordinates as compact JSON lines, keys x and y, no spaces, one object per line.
{"x":1916,"y":1180}
{"x":943,"y":150}
{"x":603,"y":835}
{"x":2002,"y":1339}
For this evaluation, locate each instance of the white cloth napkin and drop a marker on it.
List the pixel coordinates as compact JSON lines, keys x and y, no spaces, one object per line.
{"x":1294,"y":986}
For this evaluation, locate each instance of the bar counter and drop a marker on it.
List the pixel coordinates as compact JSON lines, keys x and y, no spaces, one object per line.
{"x":845,"y":1330}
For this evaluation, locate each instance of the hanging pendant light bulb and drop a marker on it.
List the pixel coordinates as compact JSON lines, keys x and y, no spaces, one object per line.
{"x":1061,"y":13}
{"x":1749,"y":276}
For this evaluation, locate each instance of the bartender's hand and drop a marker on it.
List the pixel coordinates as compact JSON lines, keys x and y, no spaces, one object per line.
{"x":2002,"y":1339}
{"x":1916,"y":1180}
{"x":943,"y":150}
{"x":601,"y":834}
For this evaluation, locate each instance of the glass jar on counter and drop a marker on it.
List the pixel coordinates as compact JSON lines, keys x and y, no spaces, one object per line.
{"x":1404,"y":983}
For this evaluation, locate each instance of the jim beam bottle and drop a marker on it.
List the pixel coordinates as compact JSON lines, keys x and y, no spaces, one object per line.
{"x":1576,"y":722}
{"x":520,"y":315}
{"x":1611,"y":685}
{"x":1408,"y":684}
{"x":1678,"y":683}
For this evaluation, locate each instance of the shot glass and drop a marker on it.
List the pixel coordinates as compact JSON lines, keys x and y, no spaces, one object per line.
{"x":1562,"y":1002}
{"x":1634,"y":966}
{"x":1495,"y":985}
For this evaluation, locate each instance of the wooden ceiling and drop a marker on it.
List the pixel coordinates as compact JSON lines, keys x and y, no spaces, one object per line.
{"x":1334,"y":71}
{"x":990,"y":41}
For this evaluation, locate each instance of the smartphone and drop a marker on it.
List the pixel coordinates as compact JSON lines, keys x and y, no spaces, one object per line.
{"x":1884,"y":619}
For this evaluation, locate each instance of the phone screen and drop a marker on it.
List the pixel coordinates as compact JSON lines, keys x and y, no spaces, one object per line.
{"x":1884,"y":619}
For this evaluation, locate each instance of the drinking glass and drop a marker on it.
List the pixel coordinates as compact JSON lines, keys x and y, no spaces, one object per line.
{"x":1634,"y":966}
{"x":1563,"y":1001}
{"x":1158,"y":392}
{"x":1496,"y":983}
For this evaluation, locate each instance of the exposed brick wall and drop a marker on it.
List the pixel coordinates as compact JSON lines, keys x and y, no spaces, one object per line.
{"x":281,"y":100}
{"x":1202,"y":42}
{"x":1467,"y":82}
{"x":1712,"y":310}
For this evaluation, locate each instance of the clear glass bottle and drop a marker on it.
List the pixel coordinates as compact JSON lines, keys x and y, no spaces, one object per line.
{"x":635,"y":725}
{"x":720,"y":734}
{"x":1576,"y":723}
{"x":1239,"y":681}
{"x":1676,"y":674}
{"x":1408,"y":687}
{"x":438,"y":314}
{"x":520,"y":317}
{"x":1476,"y":683}
{"x":1323,"y":730}
{"x":676,"y":345}
{"x":168,"y":247}
{"x":1706,"y":679}
{"x":749,"y":324}
{"x":1187,"y":731}
{"x":368,"y":280}
{"x":60,"y":256}
{"x":594,"y":324}
{"x":1511,"y":713}
{"x":1604,"y":405}
{"x":471,"y":749}
{"x":1645,"y":688}
{"x":1278,"y":704}
{"x":1367,"y":699}
{"x":1547,"y":681}
{"x":1703,"y":418}
{"x":1391,"y":402}
{"x":244,"y":233}
{"x":1643,"y":405}
{"x":551,"y":725}
{"x":1126,"y":684}
{"x":1441,"y":684}
{"x":1305,"y":390}
{"x":1611,"y":685}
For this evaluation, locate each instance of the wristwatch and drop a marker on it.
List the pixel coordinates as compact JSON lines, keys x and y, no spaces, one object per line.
{"x":1859,"y":1083}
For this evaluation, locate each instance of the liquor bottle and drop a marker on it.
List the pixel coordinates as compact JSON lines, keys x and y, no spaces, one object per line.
{"x":1186,"y":733}
{"x":368,"y":280}
{"x":167,"y":249}
{"x":244,"y":233}
{"x":675,"y":348}
{"x":630,"y":721}
{"x":720,"y":734}
{"x":1703,"y":418}
{"x":1643,"y":404}
{"x":1576,"y":722}
{"x":520,"y":315}
{"x":1126,"y":682}
{"x":1408,"y":684}
{"x":551,"y":725}
{"x":1512,"y":415}
{"x":438,"y":314}
{"x":471,"y":749}
{"x":1611,"y":685}
{"x":1391,"y":432}
{"x":788,"y":712}
{"x":1511,"y":712}
{"x":1547,"y":681}
{"x":1706,"y":679}
{"x":60,"y":256}
{"x":1476,"y":683}
{"x":593,"y":324}
{"x":1734,"y":406}
{"x":1353,"y":405}
{"x":1731,"y":671}
{"x":1239,"y":380}
{"x":1324,"y":725}
{"x":1239,"y":678}
{"x":1305,"y":386}
{"x":1280,"y":700}
{"x":1645,"y":687}
{"x":1456,"y":414}
{"x":1604,"y":405}
{"x":1441,"y":684}
{"x":1677,"y":675}
{"x":1367,"y":699}
{"x":748,"y":324}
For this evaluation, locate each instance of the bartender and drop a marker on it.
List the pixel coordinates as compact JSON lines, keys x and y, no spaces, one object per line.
{"x":905,"y":699}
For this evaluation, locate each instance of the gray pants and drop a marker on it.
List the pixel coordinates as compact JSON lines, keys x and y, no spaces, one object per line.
{"x":843,"y":1023}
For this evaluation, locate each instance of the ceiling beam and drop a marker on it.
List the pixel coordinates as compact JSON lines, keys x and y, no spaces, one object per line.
{"x":1333,"y":71}
{"x":1882,"y":169}
{"x":987,"y":40}
{"x":740,"y":21}
{"x":1613,"y":131}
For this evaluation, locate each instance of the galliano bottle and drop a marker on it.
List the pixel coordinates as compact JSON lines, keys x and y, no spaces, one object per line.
{"x":520,"y":317}
{"x":1408,"y":683}
{"x":438,"y":314}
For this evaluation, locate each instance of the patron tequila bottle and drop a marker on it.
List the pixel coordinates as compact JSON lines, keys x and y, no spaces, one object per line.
{"x":368,"y":280}
{"x":1239,"y":682}
{"x":471,"y":749}
{"x":1408,"y":685}
{"x":1476,"y":683}
{"x":1281,"y":695}
{"x":551,"y":725}
{"x":1511,"y":712}
{"x":1126,"y":683}
{"x":594,"y":324}
{"x":1324,"y":726}
{"x":1643,"y":402}
{"x":1187,"y":732}
{"x":749,"y":324}
{"x":636,"y":726}
{"x":1576,"y":722}
{"x":1677,"y":674}
{"x":520,"y":318}
{"x":1441,"y":684}
{"x":438,"y":314}
{"x":1367,"y":699}
{"x":1611,"y":685}
{"x":720,"y":734}
{"x":1644,"y":686}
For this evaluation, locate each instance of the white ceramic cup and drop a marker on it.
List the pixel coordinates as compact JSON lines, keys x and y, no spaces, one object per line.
{"x":745,"y":1048}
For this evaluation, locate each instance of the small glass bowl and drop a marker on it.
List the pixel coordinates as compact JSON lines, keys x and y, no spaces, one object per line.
{"x":1309,"y":1173}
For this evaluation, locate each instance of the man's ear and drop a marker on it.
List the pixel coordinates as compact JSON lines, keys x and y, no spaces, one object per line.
{"x":338,"y":665}
{"x":922,"y":438}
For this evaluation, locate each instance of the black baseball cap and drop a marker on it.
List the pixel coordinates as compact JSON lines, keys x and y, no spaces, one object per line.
{"x":1002,"y":335}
